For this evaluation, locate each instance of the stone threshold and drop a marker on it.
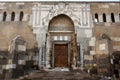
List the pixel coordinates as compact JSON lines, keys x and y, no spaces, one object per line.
{"x":58,"y":69}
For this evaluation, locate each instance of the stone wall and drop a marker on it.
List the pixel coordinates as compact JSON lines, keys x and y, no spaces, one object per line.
{"x":110,"y":27}
{"x":91,"y":20}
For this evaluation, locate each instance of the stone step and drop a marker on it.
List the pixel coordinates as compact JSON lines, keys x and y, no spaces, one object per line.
{"x":60,"y":75}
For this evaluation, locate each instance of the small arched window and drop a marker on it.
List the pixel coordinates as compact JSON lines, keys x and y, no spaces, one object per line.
{"x":21,"y":16}
{"x":112,"y":17}
{"x":12,"y":16}
{"x":4,"y":16}
{"x":96,"y":17}
{"x":104,"y":17}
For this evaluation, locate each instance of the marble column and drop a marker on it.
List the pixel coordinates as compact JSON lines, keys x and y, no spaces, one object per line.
{"x":81,"y":55}
{"x":40,"y":57}
{"x":43,"y":55}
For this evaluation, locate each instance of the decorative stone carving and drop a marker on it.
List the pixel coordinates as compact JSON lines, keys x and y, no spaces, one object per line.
{"x":80,"y":15}
{"x":61,"y":8}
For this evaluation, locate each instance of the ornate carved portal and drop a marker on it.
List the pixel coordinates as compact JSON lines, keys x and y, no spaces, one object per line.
{"x":61,"y":48}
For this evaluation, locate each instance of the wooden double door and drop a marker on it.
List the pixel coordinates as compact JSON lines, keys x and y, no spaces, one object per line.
{"x":60,"y":55}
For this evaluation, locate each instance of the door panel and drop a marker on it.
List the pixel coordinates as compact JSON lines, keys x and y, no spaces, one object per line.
{"x":61,"y":55}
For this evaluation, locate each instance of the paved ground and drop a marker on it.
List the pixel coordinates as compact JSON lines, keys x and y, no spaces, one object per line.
{"x":62,"y":75}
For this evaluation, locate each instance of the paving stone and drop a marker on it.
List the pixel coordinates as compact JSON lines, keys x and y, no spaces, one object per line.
{"x":62,"y":75}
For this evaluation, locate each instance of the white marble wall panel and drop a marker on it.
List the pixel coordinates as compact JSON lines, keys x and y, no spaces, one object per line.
{"x":88,"y":32}
{"x":48,"y":15}
{"x":88,"y":18}
{"x":84,"y":17}
{"x":80,"y":33}
{"x":61,"y":38}
{"x":37,"y":16}
{"x":33,"y":15}
{"x":41,"y":39}
{"x":44,"y":20}
{"x":92,"y":41}
{"x":81,"y":17}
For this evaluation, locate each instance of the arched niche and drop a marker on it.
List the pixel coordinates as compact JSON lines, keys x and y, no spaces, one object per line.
{"x":61,"y":35}
{"x":60,"y":23}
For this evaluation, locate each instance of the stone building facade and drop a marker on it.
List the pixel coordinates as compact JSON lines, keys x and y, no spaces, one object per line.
{"x":67,"y":34}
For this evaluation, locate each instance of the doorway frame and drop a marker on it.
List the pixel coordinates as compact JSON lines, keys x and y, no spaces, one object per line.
{"x":69,"y":52}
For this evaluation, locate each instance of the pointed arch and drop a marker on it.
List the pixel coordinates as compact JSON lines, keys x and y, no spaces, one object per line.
{"x":61,"y":22}
{"x":112,"y":17}
{"x":21,"y":16}
{"x":96,"y":17}
{"x":12,"y":16}
{"x":104,"y":17}
{"x":4,"y":16}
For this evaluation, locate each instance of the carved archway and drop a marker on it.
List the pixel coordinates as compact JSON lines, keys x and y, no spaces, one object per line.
{"x":59,"y":27}
{"x":61,"y":8}
{"x":60,"y":23}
